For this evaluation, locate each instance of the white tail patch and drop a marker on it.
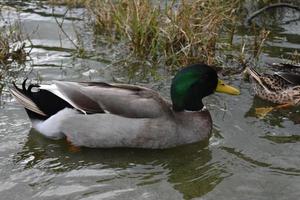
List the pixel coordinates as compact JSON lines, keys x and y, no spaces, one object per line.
{"x":51,"y":127}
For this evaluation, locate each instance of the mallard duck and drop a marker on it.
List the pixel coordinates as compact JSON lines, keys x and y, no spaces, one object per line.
{"x":279,"y":88}
{"x":102,"y":115}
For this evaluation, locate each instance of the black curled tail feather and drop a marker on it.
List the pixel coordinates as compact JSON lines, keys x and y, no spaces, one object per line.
{"x":22,"y":95}
{"x":40,"y":104}
{"x":23,"y":90}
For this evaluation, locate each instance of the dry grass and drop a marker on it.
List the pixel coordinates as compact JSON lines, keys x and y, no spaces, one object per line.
{"x":69,"y":3}
{"x":294,"y":58}
{"x":13,"y":53}
{"x":12,"y":46}
{"x":174,"y":33}
{"x":170,"y":33}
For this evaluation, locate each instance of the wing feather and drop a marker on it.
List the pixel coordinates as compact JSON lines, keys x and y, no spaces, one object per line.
{"x":26,"y":102}
{"x":74,"y":97}
{"x":121,"y":99}
{"x":293,"y":79}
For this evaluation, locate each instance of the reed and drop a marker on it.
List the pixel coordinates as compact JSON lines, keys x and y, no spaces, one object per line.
{"x":14,"y":52}
{"x":174,"y":33}
{"x":171,"y":33}
{"x":69,"y":3}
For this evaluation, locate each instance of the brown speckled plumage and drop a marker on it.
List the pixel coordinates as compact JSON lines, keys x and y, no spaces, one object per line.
{"x":279,"y":88}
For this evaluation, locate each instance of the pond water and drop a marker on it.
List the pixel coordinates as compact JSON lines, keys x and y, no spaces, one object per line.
{"x":246,"y":158}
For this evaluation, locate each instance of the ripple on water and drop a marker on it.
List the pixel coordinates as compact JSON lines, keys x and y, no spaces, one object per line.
{"x":247,"y":158}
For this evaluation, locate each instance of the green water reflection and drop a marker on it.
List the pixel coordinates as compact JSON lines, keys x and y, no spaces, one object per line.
{"x":189,"y":168}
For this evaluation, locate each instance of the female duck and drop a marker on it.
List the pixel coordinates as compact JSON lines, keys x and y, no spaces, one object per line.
{"x":280,"y":88}
{"x":96,"y":114}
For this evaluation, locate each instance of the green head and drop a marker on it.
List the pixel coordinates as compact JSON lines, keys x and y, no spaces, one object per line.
{"x":194,"y":82}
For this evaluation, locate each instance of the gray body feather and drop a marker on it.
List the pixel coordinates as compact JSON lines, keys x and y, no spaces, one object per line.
{"x":109,"y":130}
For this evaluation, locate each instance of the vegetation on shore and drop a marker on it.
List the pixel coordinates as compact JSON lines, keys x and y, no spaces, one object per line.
{"x":69,"y":3}
{"x":175,"y":33}
{"x":161,"y":33}
{"x":13,"y":51}
{"x":171,"y":33}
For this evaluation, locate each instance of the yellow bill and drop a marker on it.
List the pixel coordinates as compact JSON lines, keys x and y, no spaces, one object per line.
{"x":223,"y":88}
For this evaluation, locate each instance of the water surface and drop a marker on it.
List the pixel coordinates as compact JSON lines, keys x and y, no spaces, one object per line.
{"x":246,"y":158}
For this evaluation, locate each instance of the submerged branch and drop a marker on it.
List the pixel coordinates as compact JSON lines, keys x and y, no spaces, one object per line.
{"x":276,"y":5}
{"x":60,"y":25}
